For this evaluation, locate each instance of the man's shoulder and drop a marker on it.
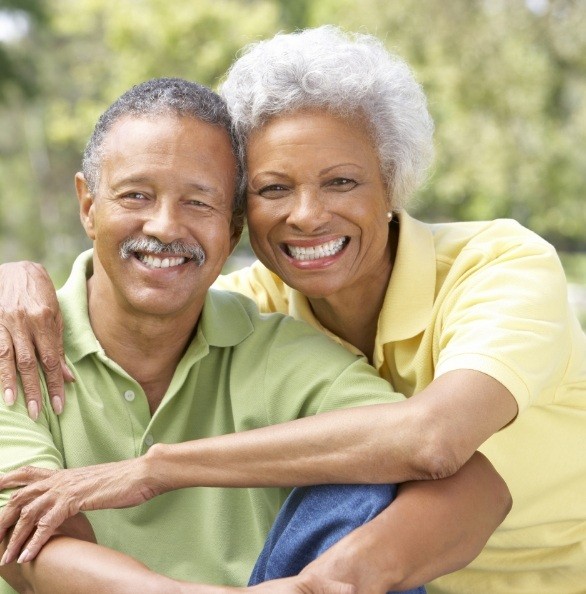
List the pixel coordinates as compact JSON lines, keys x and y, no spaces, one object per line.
{"x":271,"y":330}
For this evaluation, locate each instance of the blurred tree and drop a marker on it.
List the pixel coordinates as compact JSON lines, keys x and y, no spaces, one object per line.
{"x":17,"y":66}
{"x":506,"y":81}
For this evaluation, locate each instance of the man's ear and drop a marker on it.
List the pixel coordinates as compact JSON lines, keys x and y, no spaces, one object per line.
{"x":235,"y":233}
{"x":86,"y":205}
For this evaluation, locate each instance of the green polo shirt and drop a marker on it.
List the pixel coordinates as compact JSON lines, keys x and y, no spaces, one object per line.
{"x":241,"y":371}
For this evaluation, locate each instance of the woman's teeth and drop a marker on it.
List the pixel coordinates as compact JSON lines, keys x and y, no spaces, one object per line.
{"x":317,"y":251}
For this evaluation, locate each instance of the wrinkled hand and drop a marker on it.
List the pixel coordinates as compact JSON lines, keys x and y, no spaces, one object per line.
{"x":31,"y":326}
{"x":306,"y":583}
{"x":52,"y":496}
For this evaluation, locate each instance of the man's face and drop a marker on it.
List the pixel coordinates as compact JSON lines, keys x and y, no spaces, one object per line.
{"x":166,"y":183}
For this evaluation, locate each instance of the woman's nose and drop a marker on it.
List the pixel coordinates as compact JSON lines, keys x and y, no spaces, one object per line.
{"x":309,"y":211}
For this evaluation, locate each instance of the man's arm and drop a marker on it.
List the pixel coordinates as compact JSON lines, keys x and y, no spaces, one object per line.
{"x":72,"y":562}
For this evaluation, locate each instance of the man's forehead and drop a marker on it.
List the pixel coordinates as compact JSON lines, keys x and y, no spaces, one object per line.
{"x":140,"y":146}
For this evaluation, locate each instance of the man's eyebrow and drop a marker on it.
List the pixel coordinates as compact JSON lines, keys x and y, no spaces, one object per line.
{"x":194,"y":186}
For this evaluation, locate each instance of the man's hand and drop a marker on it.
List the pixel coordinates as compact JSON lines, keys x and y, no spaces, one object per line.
{"x":31,"y":326}
{"x":53,"y":496}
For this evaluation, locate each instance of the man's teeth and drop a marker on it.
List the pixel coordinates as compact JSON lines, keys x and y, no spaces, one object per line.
{"x":317,"y":251}
{"x":154,"y":262}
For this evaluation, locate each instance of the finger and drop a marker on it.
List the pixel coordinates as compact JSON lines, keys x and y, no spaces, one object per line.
{"x":24,"y":476}
{"x":50,"y":356}
{"x":24,"y":525}
{"x":26,"y":363}
{"x":67,"y":373}
{"x":47,"y":525}
{"x":7,"y":367}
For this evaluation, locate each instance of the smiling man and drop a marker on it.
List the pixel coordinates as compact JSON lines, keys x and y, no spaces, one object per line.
{"x":159,"y":358}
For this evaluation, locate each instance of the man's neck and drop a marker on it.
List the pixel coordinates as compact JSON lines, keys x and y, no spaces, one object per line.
{"x":147,"y":347}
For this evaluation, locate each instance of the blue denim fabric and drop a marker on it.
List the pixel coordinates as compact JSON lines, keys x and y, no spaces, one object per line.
{"x":311,"y":520}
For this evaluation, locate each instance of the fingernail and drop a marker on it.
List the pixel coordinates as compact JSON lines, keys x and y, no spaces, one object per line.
{"x":57,"y":404}
{"x":9,"y":398}
{"x":33,"y":410}
{"x":4,"y":557}
{"x":70,"y":373}
{"x":23,"y":557}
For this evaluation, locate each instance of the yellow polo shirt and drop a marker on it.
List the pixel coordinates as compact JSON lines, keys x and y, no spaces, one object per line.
{"x":242,"y":370}
{"x":489,"y":296}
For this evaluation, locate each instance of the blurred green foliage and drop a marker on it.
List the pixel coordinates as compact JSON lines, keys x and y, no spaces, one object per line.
{"x":506,"y":81}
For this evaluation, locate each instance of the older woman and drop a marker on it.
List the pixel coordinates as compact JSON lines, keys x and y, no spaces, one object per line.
{"x":469,"y":320}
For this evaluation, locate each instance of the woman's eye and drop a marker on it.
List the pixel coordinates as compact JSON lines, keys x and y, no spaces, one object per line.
{"x":272,"y":191}
{"x":343,"y":183}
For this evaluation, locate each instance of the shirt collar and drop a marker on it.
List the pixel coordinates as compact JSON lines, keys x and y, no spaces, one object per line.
{"x":224,"y":321}
{"x":409,"y":300}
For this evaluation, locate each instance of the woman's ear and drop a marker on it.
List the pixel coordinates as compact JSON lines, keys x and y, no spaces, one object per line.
{"x":86,"y":205}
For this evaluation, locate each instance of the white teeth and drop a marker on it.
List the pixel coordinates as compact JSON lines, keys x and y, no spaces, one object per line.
{"x":317,"y":251}
{"x":154,"y":262}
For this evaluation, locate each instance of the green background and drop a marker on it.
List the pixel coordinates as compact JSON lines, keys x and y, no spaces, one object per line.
{"x":506,"y":82}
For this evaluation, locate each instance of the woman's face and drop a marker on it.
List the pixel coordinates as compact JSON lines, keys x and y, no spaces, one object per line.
{"x":317,"y":206}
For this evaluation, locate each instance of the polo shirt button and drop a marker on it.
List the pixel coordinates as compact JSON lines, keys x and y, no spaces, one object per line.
{"x":129,"y":395}
{"x":149,"y":440}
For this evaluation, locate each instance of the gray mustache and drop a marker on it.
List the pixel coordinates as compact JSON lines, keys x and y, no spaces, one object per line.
{"x":154,"y":246}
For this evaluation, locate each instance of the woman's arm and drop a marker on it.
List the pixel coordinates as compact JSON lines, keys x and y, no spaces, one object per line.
{"x":30,"y":327}
{"x":432,"y":528}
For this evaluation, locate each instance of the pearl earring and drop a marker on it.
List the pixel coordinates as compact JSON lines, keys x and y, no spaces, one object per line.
{"x":389,"y":216}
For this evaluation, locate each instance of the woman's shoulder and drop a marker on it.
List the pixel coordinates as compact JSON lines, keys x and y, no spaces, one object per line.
{"x":258,"y":283}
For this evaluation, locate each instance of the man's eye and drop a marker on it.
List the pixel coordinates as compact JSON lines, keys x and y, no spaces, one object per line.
{"x":198,"y":204}
{"x":135,"y":196}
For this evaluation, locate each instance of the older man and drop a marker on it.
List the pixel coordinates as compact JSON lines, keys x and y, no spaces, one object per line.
{"x":160,"y":358}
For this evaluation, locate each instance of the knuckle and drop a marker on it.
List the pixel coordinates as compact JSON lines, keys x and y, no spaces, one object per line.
{"x":25,"y":361}
{"x":50,"y":361}
{"x":27,"y":512}
{"x":41,"y":313}
{"x":6,"y":350}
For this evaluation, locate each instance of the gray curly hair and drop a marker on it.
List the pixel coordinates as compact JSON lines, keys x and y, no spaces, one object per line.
{"x":156,"y":97}
{"x":349,"y":75}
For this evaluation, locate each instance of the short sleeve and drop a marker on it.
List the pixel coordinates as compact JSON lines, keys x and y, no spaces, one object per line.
{"x":507,"y":316}
{"x":24,"y":442}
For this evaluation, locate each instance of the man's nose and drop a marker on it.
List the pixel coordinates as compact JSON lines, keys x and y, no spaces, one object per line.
{"x":164,"y":222}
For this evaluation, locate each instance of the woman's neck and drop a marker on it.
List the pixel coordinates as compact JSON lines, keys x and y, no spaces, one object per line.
{"x":353,"y":313}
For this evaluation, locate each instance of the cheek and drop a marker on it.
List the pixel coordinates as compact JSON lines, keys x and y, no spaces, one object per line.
{"x":260,"y":219}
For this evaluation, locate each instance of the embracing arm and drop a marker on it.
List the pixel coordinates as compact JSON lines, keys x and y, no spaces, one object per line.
{"x":437,"y":526}
{"x":431,"y":435}
{"x":432,"y":528}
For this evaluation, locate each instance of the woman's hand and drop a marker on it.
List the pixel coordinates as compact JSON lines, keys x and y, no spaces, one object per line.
{"x":31,"y":327}
{"x":306,"y":583}
{"x":49,"y":497}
